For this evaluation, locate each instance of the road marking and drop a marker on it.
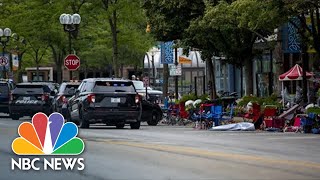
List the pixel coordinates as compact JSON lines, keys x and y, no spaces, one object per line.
{"x":206,"y":153}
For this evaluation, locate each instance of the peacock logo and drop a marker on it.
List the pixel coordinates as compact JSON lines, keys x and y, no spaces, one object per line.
{"x":47,"y":136}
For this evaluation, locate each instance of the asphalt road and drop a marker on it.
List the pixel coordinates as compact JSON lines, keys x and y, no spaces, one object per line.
{"x":172,"y":152}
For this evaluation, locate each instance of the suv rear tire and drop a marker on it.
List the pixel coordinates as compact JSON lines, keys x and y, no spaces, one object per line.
{"x":153,"y":119}
{"x":135,"y":125}
{"x":14,"y":117}
{"x":84,"y":123}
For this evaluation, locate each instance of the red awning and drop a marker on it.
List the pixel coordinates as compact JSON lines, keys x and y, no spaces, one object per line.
{"x":295,"y":73}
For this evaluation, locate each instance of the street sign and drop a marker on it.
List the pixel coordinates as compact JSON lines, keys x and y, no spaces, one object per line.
{"x":175,"y":70}
{"x":3,"y":60}
{"x":72,"y":62}
{"x":146,"y":81}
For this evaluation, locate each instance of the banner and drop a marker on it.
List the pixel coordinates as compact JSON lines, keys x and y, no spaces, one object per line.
{"x":290,"y":37}
{"x":167,"y":52}
{"x":15,"y":62}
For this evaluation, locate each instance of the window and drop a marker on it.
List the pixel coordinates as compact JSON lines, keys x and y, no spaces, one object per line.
{"x":31,"y":89}
{"x":113,"y":86}
{"x":4,"y":88}
{"x":82,"y":86}
{"x":138,"y":85}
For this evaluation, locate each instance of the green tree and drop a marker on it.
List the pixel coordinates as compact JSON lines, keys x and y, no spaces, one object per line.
{"x":39,"y":25}
{"x":304,"y":15}
{"x":238,"y":24}
{"x":168,"y":20}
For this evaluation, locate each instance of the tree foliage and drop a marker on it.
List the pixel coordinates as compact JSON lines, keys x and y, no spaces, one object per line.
{"x":37,"y":21}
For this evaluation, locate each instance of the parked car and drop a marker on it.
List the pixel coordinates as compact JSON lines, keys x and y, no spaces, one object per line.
{"x":151,"y":111}
{"x":66,"y":91}
{"x":114,"y":102}
{"x":29,"y":98}
{"x":6,"y":86}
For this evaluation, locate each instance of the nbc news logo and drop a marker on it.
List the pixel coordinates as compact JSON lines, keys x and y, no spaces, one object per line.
{"x":48,"y":136}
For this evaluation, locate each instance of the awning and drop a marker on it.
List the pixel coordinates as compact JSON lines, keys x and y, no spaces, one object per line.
{"x":295,"y":73}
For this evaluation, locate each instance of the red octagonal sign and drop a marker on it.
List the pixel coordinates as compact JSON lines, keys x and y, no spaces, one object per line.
{"x":72,"y":62}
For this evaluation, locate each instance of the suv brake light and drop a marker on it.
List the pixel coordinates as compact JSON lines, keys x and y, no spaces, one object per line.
{"x":45,"y":97}
{"x":62,"y":99}
{"x":137,"y":98}
{"x":91,"y":98}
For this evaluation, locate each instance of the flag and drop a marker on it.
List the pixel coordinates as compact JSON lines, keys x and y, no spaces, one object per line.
{"x":15,"y":62}
{"x":184,"y":60}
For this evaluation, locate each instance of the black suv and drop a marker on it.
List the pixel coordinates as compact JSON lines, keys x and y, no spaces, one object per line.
{"x":151,"y":111}
{"x":66,"y":91}
{"x":29,"y":98}
{"x":6,"y":86}
{"x":103,"y":100}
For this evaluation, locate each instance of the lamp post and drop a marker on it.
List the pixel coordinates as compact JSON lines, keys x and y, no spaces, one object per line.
{"x":71,"y":25}
{"x":17,"y":55}
{"x":4,"y":39}
{"x":153,"y":52}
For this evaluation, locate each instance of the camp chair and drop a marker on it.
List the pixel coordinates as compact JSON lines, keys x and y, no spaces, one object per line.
{"x":217,"y":115}
{"x":297,"y":124}
{"x":270,"y":113}
{"x":228,"y":116}
{"x":182,"y":111}
{"x":307,"y":122}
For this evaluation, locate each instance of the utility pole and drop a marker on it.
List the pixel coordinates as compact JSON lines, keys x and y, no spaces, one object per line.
{"x":176,"y":76}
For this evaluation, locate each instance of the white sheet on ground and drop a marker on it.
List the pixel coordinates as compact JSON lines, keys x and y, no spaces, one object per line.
{"x":242,"y":126}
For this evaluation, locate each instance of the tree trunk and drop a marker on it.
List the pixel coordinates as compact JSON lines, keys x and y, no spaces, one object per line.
{"x":248,"y":76}
{"x":37,"y":64}
{"x":212,"y":79}
{"x":165,"y":79}
{"x":58,"y":59}
{"x":19,"y":78}
{"x":113,"y":26}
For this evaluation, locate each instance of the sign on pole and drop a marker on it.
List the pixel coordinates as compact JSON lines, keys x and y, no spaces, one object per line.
{"x":175,"y":70}
{"x":72,"y":62}
{"x":3,"y":60}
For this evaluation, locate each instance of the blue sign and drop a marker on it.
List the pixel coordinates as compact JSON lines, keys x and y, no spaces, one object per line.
{"x":290,"y":37}
{"x":167,"y":52}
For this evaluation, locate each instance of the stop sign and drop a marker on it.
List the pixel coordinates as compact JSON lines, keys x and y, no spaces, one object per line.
{"x":72,"y":62}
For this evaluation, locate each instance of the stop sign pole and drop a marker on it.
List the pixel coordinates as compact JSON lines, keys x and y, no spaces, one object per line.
{"x":70,"y":24}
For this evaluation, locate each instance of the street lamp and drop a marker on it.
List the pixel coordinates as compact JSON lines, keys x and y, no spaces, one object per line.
{"x":153,"y":52}
{"x":18,"y":51}
{"x":70,"y":24}
{"x":4,"y":39}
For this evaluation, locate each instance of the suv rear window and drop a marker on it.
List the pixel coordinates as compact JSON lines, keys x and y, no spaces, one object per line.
{"x":31,"y":89}
{"x":70,"y":89}
{"x":113,"y":86}
{"x":4,"y":88}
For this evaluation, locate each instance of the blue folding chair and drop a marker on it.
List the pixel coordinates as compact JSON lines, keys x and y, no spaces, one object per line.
{"x":216,"y":116}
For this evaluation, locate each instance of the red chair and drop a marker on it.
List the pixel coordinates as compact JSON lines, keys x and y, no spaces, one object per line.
{"x":182,"y":111}
{"x":270,"y":113}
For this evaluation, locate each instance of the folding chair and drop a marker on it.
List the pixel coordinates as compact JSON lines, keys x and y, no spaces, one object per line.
{"x":217,"y":115}
{"x":228,"y":116}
